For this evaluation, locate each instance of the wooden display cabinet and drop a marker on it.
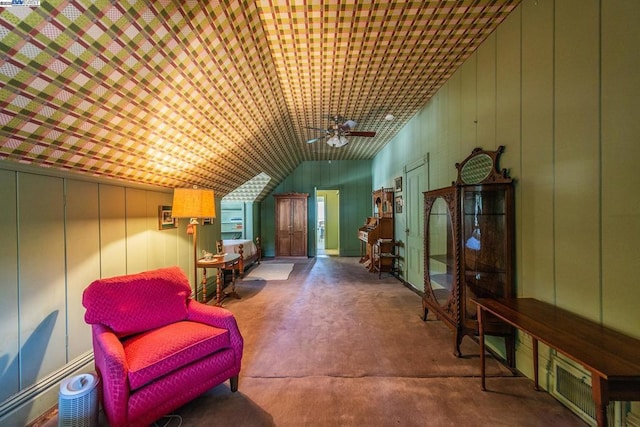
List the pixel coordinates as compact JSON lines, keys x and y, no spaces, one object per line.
{"x":469,"y":247}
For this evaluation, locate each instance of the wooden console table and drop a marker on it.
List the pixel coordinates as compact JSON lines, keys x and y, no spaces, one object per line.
{"x":226,"y":262}
{"x":612,"y":358}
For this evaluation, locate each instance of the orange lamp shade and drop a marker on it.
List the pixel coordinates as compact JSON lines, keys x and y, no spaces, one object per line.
{"x":193,"y":203}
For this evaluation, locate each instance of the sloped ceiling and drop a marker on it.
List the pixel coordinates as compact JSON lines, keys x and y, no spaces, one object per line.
{"x":181,"y":93}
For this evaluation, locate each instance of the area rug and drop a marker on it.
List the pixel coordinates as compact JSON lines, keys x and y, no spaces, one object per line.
{"x":274,"y":271}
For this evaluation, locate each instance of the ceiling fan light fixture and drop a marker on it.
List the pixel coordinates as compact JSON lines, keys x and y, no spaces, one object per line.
{"x":337,"y":141}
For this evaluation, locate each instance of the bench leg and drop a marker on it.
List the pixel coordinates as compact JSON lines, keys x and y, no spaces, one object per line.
{"x":600,"y":394}
{"x":535,"y":363}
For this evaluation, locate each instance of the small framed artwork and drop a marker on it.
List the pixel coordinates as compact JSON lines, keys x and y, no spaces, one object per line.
{"x":165,"y":221}
{"x":398,"y":204}
{"x":398,"y":184}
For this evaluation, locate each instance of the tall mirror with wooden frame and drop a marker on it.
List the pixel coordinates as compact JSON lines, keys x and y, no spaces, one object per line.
{"x":469,"y":247}
{"x":441,"y":264}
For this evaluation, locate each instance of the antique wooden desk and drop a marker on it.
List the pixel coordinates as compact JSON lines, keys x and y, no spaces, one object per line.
{"x":612,"y":358}
{"x":226,"y":262}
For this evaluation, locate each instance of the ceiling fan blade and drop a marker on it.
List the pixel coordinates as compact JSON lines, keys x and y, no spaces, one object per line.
{"x":320,"y":129}
{"x":349,"y":124}
{"x":361,"y":133}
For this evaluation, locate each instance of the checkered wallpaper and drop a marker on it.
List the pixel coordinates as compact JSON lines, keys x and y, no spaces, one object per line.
{"x":214,"y":93}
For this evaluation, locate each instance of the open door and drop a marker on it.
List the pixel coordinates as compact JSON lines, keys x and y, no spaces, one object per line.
{"x":416,"y":184}
{"x":327,"y":222}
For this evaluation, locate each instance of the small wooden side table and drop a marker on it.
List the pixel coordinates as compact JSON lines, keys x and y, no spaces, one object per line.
{"x":221,"y":262}
{"x":384,"y":256}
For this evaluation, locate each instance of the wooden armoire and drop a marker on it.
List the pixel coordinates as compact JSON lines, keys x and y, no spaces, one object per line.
{"x":291,"y":224}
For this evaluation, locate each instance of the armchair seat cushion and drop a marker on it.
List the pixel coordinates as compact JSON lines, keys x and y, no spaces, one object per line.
{"x":153,"y":354}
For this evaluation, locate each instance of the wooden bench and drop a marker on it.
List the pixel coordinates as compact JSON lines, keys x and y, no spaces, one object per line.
{"x":612,"y":358}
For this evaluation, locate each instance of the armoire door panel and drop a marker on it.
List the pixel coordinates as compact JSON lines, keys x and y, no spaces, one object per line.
{"x":291,"y":224}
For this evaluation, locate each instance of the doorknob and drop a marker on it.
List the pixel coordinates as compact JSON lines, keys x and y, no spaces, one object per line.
{"x":406,"y":230}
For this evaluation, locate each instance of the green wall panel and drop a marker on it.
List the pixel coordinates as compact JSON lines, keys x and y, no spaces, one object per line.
{"x":113,"y":230}
{"x":620,"y":206}
{"x":41,"y":261}
{"x":535,"y":194}
{"x":576,"y":153}
{"x":83,"y":257}
{"x":139,"y":250}
{"x":9,"y":327}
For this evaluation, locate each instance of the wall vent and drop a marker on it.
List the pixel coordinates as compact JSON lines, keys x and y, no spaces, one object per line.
{"x":571,"y":385}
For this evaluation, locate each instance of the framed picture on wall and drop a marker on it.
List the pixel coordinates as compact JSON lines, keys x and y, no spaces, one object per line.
{"x":398,"y":204}
{"x":398,"y":184}
{"x":165,"y":221}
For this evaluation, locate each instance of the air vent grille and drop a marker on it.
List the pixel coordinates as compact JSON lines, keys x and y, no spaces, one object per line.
{"x":572,"y":386}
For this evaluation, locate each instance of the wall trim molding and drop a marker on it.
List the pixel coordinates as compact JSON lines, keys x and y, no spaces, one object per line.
{"x":66,"y":174}
{"x":45,"y":389}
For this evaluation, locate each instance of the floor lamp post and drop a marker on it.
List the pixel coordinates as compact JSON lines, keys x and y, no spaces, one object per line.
{"x":193,"y":203}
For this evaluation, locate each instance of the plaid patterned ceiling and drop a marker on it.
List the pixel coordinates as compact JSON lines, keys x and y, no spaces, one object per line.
{"x":214,"y":93}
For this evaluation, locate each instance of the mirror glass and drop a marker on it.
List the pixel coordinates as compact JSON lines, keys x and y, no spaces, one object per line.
{"x":440,"y":247}
{"x":477,"y":169}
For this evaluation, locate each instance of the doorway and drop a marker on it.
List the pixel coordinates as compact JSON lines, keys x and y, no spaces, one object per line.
{"x":327,"y":222}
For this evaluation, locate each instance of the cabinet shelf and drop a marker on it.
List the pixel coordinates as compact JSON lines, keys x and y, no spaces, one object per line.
{"x":486,"y":271}
{"x":441,"y":258}
{"x":442,"y":281}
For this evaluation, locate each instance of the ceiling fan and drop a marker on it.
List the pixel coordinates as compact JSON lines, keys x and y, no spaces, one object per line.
{"x":339,"y":131}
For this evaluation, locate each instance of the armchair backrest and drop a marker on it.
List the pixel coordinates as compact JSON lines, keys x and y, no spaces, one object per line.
{"x":139,"y":302}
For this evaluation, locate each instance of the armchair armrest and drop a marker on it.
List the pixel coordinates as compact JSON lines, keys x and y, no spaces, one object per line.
{"x":110,"y":359}
{"x":220,"y":318}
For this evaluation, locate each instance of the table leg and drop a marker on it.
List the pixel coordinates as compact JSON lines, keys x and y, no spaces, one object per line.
{"x":219,"y":279}
{"x":234,"y":275}
{"x":481,"y":338}
{"x":204,"y":286}
{"x":535,"y":363}
{"x":241,"y":264}
{"x":600,"y":394}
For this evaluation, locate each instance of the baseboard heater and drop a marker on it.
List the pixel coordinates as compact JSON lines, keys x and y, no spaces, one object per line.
{"x":571,"y":385}
{"x":32,"y":392}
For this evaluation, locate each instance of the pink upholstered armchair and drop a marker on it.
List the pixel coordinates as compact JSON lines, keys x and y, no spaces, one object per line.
{"x":155,"y":348}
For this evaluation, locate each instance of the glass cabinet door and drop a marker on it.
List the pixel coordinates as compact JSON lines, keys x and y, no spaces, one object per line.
{"x":486,"y":271}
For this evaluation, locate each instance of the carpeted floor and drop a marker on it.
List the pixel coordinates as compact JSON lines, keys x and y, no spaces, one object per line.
{"x":333,"y":345}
